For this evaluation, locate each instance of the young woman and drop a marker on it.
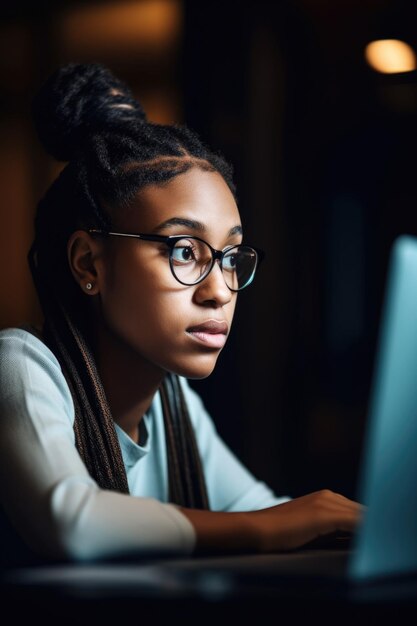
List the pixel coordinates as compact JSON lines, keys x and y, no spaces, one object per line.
{"x":137,"y":259}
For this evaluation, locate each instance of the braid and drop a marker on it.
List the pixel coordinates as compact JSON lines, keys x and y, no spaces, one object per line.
{"x":95,"y":434}
{"x":85,"y":116}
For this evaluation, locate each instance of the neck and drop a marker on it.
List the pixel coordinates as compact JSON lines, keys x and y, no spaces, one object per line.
{"x":130,"y":382}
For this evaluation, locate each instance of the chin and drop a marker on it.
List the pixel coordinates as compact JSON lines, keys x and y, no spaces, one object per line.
{"x":196,"y":370}
{"x":198,"y":376}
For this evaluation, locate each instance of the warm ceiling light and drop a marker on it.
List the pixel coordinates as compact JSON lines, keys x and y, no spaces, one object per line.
{"x":390,"y":56}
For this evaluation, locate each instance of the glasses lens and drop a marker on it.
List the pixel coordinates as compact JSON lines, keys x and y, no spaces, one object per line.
{"x":239,"y":265}
{"x":190,"y":260}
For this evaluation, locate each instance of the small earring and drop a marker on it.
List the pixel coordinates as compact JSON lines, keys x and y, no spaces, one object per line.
{"x":89,"y":286}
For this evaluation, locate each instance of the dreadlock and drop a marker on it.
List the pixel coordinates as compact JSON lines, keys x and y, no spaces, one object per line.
{"x":86,"y":116}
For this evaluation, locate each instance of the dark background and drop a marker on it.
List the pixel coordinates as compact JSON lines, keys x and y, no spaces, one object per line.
{"x":325,"y":164}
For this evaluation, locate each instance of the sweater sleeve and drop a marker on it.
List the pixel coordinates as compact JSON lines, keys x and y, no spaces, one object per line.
{"x":55,"y":506}
{"x":230,"y":485}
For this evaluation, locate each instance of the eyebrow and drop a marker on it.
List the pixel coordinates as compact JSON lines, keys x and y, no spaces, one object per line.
{"x":193,"y":225}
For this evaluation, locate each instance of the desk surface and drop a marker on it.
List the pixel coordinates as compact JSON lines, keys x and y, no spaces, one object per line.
{"x":305,"y":580}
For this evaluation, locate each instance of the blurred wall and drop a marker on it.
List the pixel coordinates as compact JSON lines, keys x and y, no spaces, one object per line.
{"x":325,"y":160}
{"x":324,"y":155}
{"x":138,"y":40}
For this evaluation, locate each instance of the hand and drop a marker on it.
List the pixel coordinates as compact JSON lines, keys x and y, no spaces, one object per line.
{"x":304,"y":519}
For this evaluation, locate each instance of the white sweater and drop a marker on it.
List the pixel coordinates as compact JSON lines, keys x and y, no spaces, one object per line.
{"x":51,"y":506}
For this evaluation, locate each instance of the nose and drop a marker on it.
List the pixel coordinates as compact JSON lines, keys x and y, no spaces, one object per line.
{"x":213,"y":289}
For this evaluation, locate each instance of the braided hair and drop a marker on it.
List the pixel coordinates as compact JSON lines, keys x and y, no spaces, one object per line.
{"x":86,"y":116}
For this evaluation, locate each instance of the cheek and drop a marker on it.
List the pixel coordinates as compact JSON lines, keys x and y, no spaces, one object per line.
{"x":142,"y":303}
{"x":128,"y":281}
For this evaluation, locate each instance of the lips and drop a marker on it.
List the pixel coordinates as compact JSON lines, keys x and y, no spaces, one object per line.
{"x":212,"y":327}
{"x":212,"y":333}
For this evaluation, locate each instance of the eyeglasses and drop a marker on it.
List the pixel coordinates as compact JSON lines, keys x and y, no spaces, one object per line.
{"x":191,"y":259}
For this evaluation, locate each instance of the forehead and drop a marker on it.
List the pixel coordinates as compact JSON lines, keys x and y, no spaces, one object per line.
{"x":196,"y":195}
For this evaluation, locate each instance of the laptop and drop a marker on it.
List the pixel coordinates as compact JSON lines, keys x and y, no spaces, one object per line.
{"x":386,"y":544}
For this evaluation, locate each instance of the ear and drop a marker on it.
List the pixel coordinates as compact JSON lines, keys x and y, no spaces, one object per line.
{"x":84,"y":254}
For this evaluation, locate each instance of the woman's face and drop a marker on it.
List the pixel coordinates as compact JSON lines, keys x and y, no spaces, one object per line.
{"x":142,"y":305}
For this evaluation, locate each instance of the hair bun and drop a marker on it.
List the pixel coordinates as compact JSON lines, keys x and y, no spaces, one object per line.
{"x":77,"y":100}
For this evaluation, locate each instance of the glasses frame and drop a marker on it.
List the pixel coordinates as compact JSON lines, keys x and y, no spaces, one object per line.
{"x":171,"y":240}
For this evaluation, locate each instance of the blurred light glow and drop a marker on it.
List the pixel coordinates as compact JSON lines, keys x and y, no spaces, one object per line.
{"x":390,"y":56}
{"x":118,"y":27}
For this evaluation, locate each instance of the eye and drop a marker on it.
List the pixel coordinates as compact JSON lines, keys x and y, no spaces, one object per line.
{"x":184,"y":252}
{"x":230,"y":259}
